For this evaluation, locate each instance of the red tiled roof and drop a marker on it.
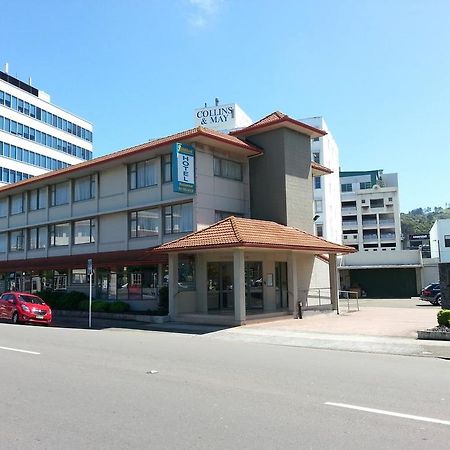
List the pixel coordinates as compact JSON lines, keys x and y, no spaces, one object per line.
{"x":279,"y":118}
{"x":318,"y":169}
{"x":240,"y":232}
{"x":182,"y":136}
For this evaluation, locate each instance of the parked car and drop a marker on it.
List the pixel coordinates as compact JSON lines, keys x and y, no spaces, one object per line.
{"x":431,"y":293}
{"x":21,"y":307}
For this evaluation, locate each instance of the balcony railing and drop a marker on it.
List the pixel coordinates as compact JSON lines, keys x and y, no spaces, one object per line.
{"x":387,"y":237}
{"x":369,"y":222}
{"x":387,"y":223}
{"x":350,"y":224}
{"x":349,"y":210}
{"x":370,"y":237}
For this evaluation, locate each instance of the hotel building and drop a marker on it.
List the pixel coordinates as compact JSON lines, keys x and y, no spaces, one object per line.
{"x":130,"y":212}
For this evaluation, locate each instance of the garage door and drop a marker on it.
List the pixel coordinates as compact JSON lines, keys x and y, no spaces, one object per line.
{"x":385,"y":283}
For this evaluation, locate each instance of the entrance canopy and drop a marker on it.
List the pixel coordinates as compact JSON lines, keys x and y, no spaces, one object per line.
{"x":251,"y":233}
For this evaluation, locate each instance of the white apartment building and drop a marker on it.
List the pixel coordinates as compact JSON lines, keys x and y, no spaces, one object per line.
{"x":327,"y":194}
{"x":35,"y":135}
{"x":370,"y":210}
{"x":440,"y":249}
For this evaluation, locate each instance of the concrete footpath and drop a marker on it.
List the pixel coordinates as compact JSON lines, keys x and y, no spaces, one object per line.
{"x":386,"y":326}
{"x":380,"y":326}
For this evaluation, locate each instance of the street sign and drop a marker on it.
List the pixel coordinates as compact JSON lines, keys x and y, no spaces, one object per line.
{"x":89,"y":267}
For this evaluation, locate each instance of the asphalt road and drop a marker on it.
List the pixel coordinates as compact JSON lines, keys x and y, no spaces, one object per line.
{"x":94,"y":389}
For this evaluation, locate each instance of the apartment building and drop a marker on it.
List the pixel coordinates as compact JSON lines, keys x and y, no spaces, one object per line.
{"x":440,"y":251}
{"x":120,"y":208}
{"x":37,"y":136}
{"x":370,"y":210}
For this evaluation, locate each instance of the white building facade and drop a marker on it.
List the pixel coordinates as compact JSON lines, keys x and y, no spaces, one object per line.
{"x":35,"y":135}
{"x":440,"y":249}
{"x":327,"y":197}
{"x":370,"y":210}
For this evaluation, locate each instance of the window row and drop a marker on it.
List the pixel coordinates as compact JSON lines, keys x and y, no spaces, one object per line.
{"x":11,"y":176}
{"x":30,"y":133}
{"x":144,"y":223}
{"x":35,"y":112}
{"x":56,"y":195}
{"x":29,"y":157}
{"x":145,"y":173}
{"x":177,"y":219}
{"x":82,"y":232}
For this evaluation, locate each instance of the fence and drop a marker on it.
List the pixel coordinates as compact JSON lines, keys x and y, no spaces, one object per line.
{"x":320,"y":299}
{"x":349,"y":299}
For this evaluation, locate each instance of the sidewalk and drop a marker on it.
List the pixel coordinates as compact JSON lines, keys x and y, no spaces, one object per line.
{"x":390,"y":327}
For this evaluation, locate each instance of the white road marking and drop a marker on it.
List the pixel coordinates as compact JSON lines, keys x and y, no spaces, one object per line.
{"x":389,"y":413}
{"x":19,"y":350}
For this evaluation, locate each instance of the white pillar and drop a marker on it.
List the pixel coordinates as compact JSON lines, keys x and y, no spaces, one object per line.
{"x":173,"y":282}
{"x":292,"y":283}
{"x":239,"y":285}
{"x":334,"y":280}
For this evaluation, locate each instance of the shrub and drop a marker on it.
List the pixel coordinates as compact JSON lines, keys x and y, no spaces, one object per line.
{"x":118,"y":307}
{"x":443,"y":317}
{"x":83,"y":305}
{"x":100,"y":306}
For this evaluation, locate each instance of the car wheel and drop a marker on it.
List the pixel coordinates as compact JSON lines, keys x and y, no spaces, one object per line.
{"x":15,"y":317}
{"x":438,"y":300}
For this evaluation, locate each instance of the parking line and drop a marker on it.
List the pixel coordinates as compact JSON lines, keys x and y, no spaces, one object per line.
{"x":389,"y":413}
{"x":19,"y":350}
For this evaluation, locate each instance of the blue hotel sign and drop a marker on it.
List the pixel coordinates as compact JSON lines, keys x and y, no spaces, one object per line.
{"x":183,"y":168}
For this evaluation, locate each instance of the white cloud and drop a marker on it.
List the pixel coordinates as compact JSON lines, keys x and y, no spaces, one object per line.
{"x":204,"y":12}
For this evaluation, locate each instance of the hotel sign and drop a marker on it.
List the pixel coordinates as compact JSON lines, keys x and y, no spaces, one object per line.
{"x":183,"y":168}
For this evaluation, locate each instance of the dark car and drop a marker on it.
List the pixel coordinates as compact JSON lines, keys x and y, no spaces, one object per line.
{"x":432,"y":294}
{"x":21,"y":307}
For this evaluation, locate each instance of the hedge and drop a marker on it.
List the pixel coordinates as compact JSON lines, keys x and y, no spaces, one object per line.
{"x":443,"y":317}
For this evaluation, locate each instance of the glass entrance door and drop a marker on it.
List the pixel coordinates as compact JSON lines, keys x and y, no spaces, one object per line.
{"x":281,"y":285}
{"x":220,"y":286}
{"x":254,"y":285}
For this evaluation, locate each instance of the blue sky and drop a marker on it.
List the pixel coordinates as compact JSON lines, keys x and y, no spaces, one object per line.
{"x":377,"y":71}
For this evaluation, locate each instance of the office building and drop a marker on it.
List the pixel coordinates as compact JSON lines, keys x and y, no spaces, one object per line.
{"x":36,"y":136}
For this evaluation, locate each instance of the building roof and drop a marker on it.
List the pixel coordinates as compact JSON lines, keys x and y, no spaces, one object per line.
{"x":198,"y":134}
{"x":241,"y":232}
{"x":318,"y":169}
{"x":278,"y":119}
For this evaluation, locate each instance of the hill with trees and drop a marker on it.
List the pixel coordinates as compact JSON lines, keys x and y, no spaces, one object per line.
{"x":420,"y":220}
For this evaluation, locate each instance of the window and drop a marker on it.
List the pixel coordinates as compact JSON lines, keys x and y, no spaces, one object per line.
{"x":84,"y":231}
{"x":377,"y":203}
{"x":317,"y":182}
{"x":37,"y":199}
{"x":389,"y":199}
{"x":79,"y":276}
{"x":142,"y":174}
{"x":59,"y":234}
{"x":178,"y":218}
{"x":59,"y":194}
{"x":346,"y":187}
{"x":447,"y":240}
{"x":365,"y":185}
{"x":167,"y":168}
{"x":316,"y":157}
{"x":144,"y":223}
{"x":84,"y":188}
{"x":16,"y":204}
{"x":319,"y":229}
{"x":227,"y":169}
{"x":16,"y":241}
{"x":186,"y":272}
{"x":3,"y":207}
{"x":316,"y":139}
{"x":3,"y":239}
{"x":37,"y":238}
{"x":318,"y":206}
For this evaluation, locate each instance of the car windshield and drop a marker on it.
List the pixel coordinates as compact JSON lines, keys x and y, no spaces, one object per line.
{"x":31,"y":299}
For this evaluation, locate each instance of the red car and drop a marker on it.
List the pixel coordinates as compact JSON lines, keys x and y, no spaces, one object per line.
{"x":20,"y":307}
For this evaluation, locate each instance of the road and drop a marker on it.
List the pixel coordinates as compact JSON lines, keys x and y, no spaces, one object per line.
{"x":133,"y":389}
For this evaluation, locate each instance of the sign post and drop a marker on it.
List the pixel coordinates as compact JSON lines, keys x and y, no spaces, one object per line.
{"x":89,"y":271}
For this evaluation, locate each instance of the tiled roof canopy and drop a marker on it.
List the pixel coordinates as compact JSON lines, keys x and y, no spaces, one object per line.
{"x":240,"y":232}
{"x":276,"y":119}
